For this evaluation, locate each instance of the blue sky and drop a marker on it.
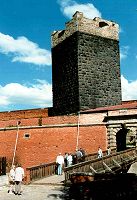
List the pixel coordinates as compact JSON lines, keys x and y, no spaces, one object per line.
{"x":25,"y":46}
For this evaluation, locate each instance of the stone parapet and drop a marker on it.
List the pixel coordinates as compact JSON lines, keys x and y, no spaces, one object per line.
{"x":96,"y":26}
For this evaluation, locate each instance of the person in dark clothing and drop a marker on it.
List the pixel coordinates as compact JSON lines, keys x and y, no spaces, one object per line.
{"x":74,"y":159}
{"x":83,"y":154}
{"x":65,"y":160}
{"x":79,"y":155}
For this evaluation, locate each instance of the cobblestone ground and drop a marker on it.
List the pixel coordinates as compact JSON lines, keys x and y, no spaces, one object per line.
{"x":34,"y":192}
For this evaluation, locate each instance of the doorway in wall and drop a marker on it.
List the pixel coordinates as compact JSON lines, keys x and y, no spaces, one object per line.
{"x":121,"y":138}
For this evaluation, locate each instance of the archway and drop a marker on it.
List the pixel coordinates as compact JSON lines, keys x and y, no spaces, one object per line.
{"x":121,"y":138}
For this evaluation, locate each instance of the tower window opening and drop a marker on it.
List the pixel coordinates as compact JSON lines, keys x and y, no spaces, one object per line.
{"x":102,"y":24}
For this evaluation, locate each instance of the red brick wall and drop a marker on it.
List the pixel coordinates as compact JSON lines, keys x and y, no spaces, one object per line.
{"x":59,"y":134}
{"x":24,"y":114}
{"x":45,"y":143}
{"x":34,"y":120}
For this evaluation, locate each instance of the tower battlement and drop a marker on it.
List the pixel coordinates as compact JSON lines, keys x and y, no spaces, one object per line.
{"x":96,"y":26}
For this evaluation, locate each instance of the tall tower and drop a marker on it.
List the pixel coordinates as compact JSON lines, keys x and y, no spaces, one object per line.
{"x":85,"y":65}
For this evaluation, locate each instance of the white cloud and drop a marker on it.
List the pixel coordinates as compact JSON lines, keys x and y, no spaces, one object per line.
{"x":69,"y":7}
{"x":124,"y":52}
{"x":24,"y":50}
{"x":129,"y":89}
{"x":37,"y":95}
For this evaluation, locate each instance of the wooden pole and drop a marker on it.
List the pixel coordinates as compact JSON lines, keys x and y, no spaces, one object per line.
{"x":16,"y":141}
{"x":77,"y":144}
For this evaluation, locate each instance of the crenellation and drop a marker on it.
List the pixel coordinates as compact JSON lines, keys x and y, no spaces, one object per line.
{"x":96,"y":26}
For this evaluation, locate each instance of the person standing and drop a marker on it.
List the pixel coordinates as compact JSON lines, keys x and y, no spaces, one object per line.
{"x":79,"y":155}
{"x":19,"y":175}
{"x":69,"y":160}
{"x":12,"y":180}
{"x":108,"y":151}
{"x":100,"y":153}
{"x":65,"y":160}
{"x":60,"y":163}
{"x":83,"y":154}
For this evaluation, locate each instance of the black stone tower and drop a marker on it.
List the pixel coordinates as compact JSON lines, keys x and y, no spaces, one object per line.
{"x":85,"y":65}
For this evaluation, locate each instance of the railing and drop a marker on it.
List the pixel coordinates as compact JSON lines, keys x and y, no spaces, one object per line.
{"x":94,"y":155}
{"x":48,"y":169}
{"x":97,"y":165}
{"x":40,"y":171}
{"x":2,"y":166}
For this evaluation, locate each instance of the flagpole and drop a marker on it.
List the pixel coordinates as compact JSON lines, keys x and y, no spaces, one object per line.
{"x":77,"y":144}
{"x":17,"y":135}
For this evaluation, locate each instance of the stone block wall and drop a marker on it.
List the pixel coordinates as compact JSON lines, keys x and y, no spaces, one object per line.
{"x":98,"y":71}
{"x":65,"y":76}
{"x":86,"y":73}
{"x":86,"y":65}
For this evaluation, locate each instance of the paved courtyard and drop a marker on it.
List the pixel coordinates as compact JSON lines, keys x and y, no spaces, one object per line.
{"x":50,"y":188}
{"x":47,"y":188}
{"x":34,"y":192}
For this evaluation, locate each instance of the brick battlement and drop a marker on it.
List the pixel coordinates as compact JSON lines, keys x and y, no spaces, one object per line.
{"x":23,"y":114}
{"x":96,"y":26}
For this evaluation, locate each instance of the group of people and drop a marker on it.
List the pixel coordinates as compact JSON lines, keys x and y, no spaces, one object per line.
{"x":16,"y":176}
{"x":69,"y":159}
{"x":100,"y":153}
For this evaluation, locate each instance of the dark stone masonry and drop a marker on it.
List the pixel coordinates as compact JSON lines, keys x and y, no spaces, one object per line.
{"x":65,"y":76}
{"x":86,"y":66}
{"x":98,"y":71}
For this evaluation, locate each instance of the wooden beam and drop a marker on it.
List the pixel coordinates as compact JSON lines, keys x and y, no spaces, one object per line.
{"x":107,"y":167}
{"x":93,"y":170}
{"x":116,"y":163}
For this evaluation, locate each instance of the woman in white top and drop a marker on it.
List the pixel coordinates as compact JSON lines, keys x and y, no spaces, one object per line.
{"x":60,"y":163}
{"x":69,"y":159}
{"x":19,"y":175}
